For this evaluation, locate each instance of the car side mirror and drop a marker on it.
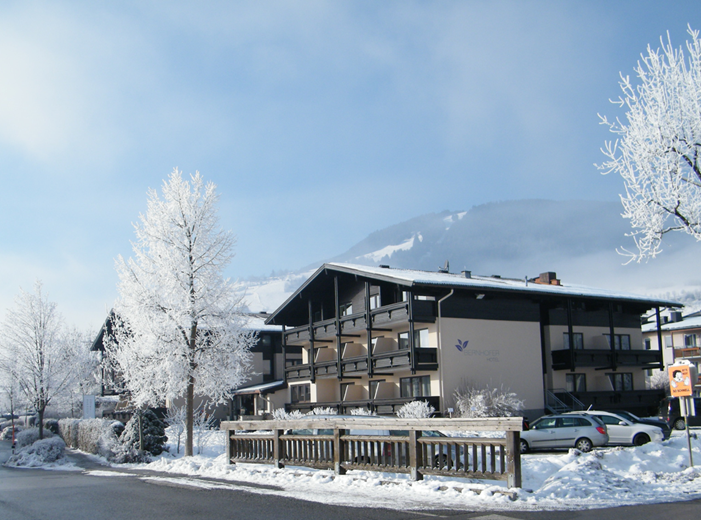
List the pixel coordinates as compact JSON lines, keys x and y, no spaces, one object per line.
{"x":622,"y":423}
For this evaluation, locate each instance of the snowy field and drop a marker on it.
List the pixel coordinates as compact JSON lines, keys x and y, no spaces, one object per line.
{"x":656,"y":472}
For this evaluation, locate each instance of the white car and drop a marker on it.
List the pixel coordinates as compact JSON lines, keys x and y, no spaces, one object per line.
{"x":564,"y":431}
{"x":625,"y":432}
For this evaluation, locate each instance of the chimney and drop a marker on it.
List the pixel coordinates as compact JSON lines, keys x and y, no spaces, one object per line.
{"x":467,"y":274}
{"x":548,"y":278}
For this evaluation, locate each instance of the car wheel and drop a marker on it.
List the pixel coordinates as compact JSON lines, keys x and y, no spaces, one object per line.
{"x":641,"y":438}
{"x":524,"y":446}
{"x":583,"y":445}
{"x":680,"y":424}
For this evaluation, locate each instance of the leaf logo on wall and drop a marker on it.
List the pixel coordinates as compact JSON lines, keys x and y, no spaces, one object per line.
{"x":461,"y":346}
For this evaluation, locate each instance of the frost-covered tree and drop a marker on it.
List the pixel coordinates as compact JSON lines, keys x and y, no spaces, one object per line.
{"x":33,"y":343}
{"x":176,"y":418}
{"x":84,"y":366}
{"x":658,"y":146}
{"x":179,"y":327}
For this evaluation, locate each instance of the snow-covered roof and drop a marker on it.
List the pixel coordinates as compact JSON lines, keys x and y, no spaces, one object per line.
{"x":413,"y":277}
{"x":262,"y":388}
{"x":686,"y":323}
{"x":256,"y":321}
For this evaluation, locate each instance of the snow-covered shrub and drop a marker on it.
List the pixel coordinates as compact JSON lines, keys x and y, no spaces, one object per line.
{"x":659,"y":380}
{"x":203,"y":423}
{"x":98,"y":436}
{"x":30,"y":436}
{"x":6,"y":434}
{"x":152,"y":434}
{"x":279,"y":414}
{"x":473,"y":402}
{"x":175,"y":419}
{"x":362,"y":411}
{"x":323,"y":410}
{"x":416,"y":410}
{"x":51,"y":425}
{"x":39,"y":453}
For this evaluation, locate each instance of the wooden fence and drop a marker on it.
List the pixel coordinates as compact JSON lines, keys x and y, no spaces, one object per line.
{"x":410,"y":446}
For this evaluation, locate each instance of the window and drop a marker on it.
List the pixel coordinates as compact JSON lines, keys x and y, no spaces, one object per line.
{"x":576,"y":382}
{"x":373,"y":387}
{"x":293,"y":362}
{"x":344,"y":390}
{"x":374,"y":301}
{"x":689,"y":340}
{"x":621,"y":382}
{"x":669,"y":341}
{"x":346,"y":308}
{"x":415,"y":386}
{"x":420,"y":339}
{"x":648,"y":344}
{"x":300,"y":393}
{"x":622,"y":341}
{"x":578,"y":340}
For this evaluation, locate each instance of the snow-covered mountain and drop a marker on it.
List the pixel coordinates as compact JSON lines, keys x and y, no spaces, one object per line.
{"x":576,"y":239}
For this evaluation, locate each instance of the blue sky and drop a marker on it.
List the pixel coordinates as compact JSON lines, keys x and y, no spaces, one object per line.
{"x":320,"y":121}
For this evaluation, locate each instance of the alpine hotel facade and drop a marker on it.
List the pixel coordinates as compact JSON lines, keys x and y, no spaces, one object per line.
{"x":377,"y":337}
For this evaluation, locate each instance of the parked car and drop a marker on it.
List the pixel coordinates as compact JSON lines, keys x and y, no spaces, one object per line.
{"x":670,"y":413}
{"x":565,"y":431}
{"x":654,"y":421}
{"x":621,"y":431}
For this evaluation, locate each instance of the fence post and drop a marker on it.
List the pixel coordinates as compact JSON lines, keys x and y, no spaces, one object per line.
{"x":513,"y":459}
{"x":415,"y":457}
{"x":230,"y":445}
{"x":278,"y":449}
{"x":338,"y":469}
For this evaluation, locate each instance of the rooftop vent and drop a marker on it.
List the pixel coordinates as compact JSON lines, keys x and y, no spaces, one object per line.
{"x":675,"y":316}
{"x":384,"y":266}
{"x":467,"y":274}
{"x":547,"y":278}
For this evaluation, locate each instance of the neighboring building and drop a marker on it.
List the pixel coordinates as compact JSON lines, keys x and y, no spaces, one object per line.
{"x":267,"y":371}
{"x":680,"y":337}
{"x":381,"y":337}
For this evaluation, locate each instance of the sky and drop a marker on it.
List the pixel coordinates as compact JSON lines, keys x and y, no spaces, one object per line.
{"x":319,"y":121}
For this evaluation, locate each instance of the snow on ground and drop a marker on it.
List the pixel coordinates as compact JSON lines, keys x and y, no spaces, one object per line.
{"x":656,"y":472}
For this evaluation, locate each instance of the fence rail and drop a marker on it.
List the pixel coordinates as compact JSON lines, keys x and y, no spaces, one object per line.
{"x":411,"y":446}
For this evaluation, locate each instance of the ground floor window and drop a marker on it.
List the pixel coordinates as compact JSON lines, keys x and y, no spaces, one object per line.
{"x":576,"y":382}
{"x":300,"y":393}
{"x":621,"y":382}
{"x":415,"y":386}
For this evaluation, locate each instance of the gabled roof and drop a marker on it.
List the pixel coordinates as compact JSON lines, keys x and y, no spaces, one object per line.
{"x":439,"y":280}
{"x":685,"y":324}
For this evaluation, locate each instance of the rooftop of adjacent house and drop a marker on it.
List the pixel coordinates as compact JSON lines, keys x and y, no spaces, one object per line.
{"x":686,"y":323}
{"x":262,"y":388}
{"x":256,"y":321}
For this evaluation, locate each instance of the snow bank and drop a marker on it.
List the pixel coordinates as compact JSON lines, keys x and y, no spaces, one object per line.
{"x":655,"y":472}
{"x":40,"y":454}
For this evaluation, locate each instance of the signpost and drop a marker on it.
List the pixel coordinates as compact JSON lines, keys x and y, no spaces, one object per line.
{"x":682,"y":377}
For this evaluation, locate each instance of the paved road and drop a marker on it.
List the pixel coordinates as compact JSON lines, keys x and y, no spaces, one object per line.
{"x":27,"y":494}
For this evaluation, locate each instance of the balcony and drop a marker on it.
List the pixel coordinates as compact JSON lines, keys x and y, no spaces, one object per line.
{"x":639,"y":402}
{"x":690,"y":353}
{"x":387,"y":315}
{"x":602,"y":358}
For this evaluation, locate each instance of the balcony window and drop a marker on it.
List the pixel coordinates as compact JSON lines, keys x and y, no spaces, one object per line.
{"x":578,"y":340}
{"x":669,"y":341}
{"x":300,"y":393}
{"x":689,"y":340}
{"x":373,"y":387}
{"x":346,"y":308}
{"x":420,"y":339}
{"x":621,"y":382}
{"x":576,"y":382}
{"x":374,"y":301}
{"x":622,"y":341}
{"x":648,"y":344}
{"x":415,"y":386}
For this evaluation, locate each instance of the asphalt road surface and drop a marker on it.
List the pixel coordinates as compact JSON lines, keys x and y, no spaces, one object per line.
{"x":32,"y":494}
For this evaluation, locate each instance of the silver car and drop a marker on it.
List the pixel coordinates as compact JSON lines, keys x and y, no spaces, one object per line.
{"x":625,"y":432}
{"x":564,"y":431}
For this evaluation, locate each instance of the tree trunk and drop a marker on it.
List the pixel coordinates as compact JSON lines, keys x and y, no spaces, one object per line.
{"x":189,"y":421}
{"x":40,"y":412}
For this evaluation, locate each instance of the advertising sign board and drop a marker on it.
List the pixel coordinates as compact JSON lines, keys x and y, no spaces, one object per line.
{"x":681,"y":380}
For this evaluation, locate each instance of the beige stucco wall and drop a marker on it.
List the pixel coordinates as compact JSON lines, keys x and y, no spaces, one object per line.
{"x":497,"y":353}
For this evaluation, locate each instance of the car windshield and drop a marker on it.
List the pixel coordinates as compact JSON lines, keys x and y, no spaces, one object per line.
{"x":629,"y":416}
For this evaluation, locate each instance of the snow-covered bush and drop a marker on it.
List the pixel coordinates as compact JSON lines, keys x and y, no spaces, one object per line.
{"x":152,"y":434}
{"x":362,"y":411}
{"x":323,"y":410}
{"x":175,"y":419}
{"x":203,"y":423}
{"x":659,"y":380}
{"x":416,"y":410}
{"x":97,"y":436}
{"x":279,"y":414}
{"x":473,"y":402}
{"x":30,"y":436}
{"x":45,"y":451}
